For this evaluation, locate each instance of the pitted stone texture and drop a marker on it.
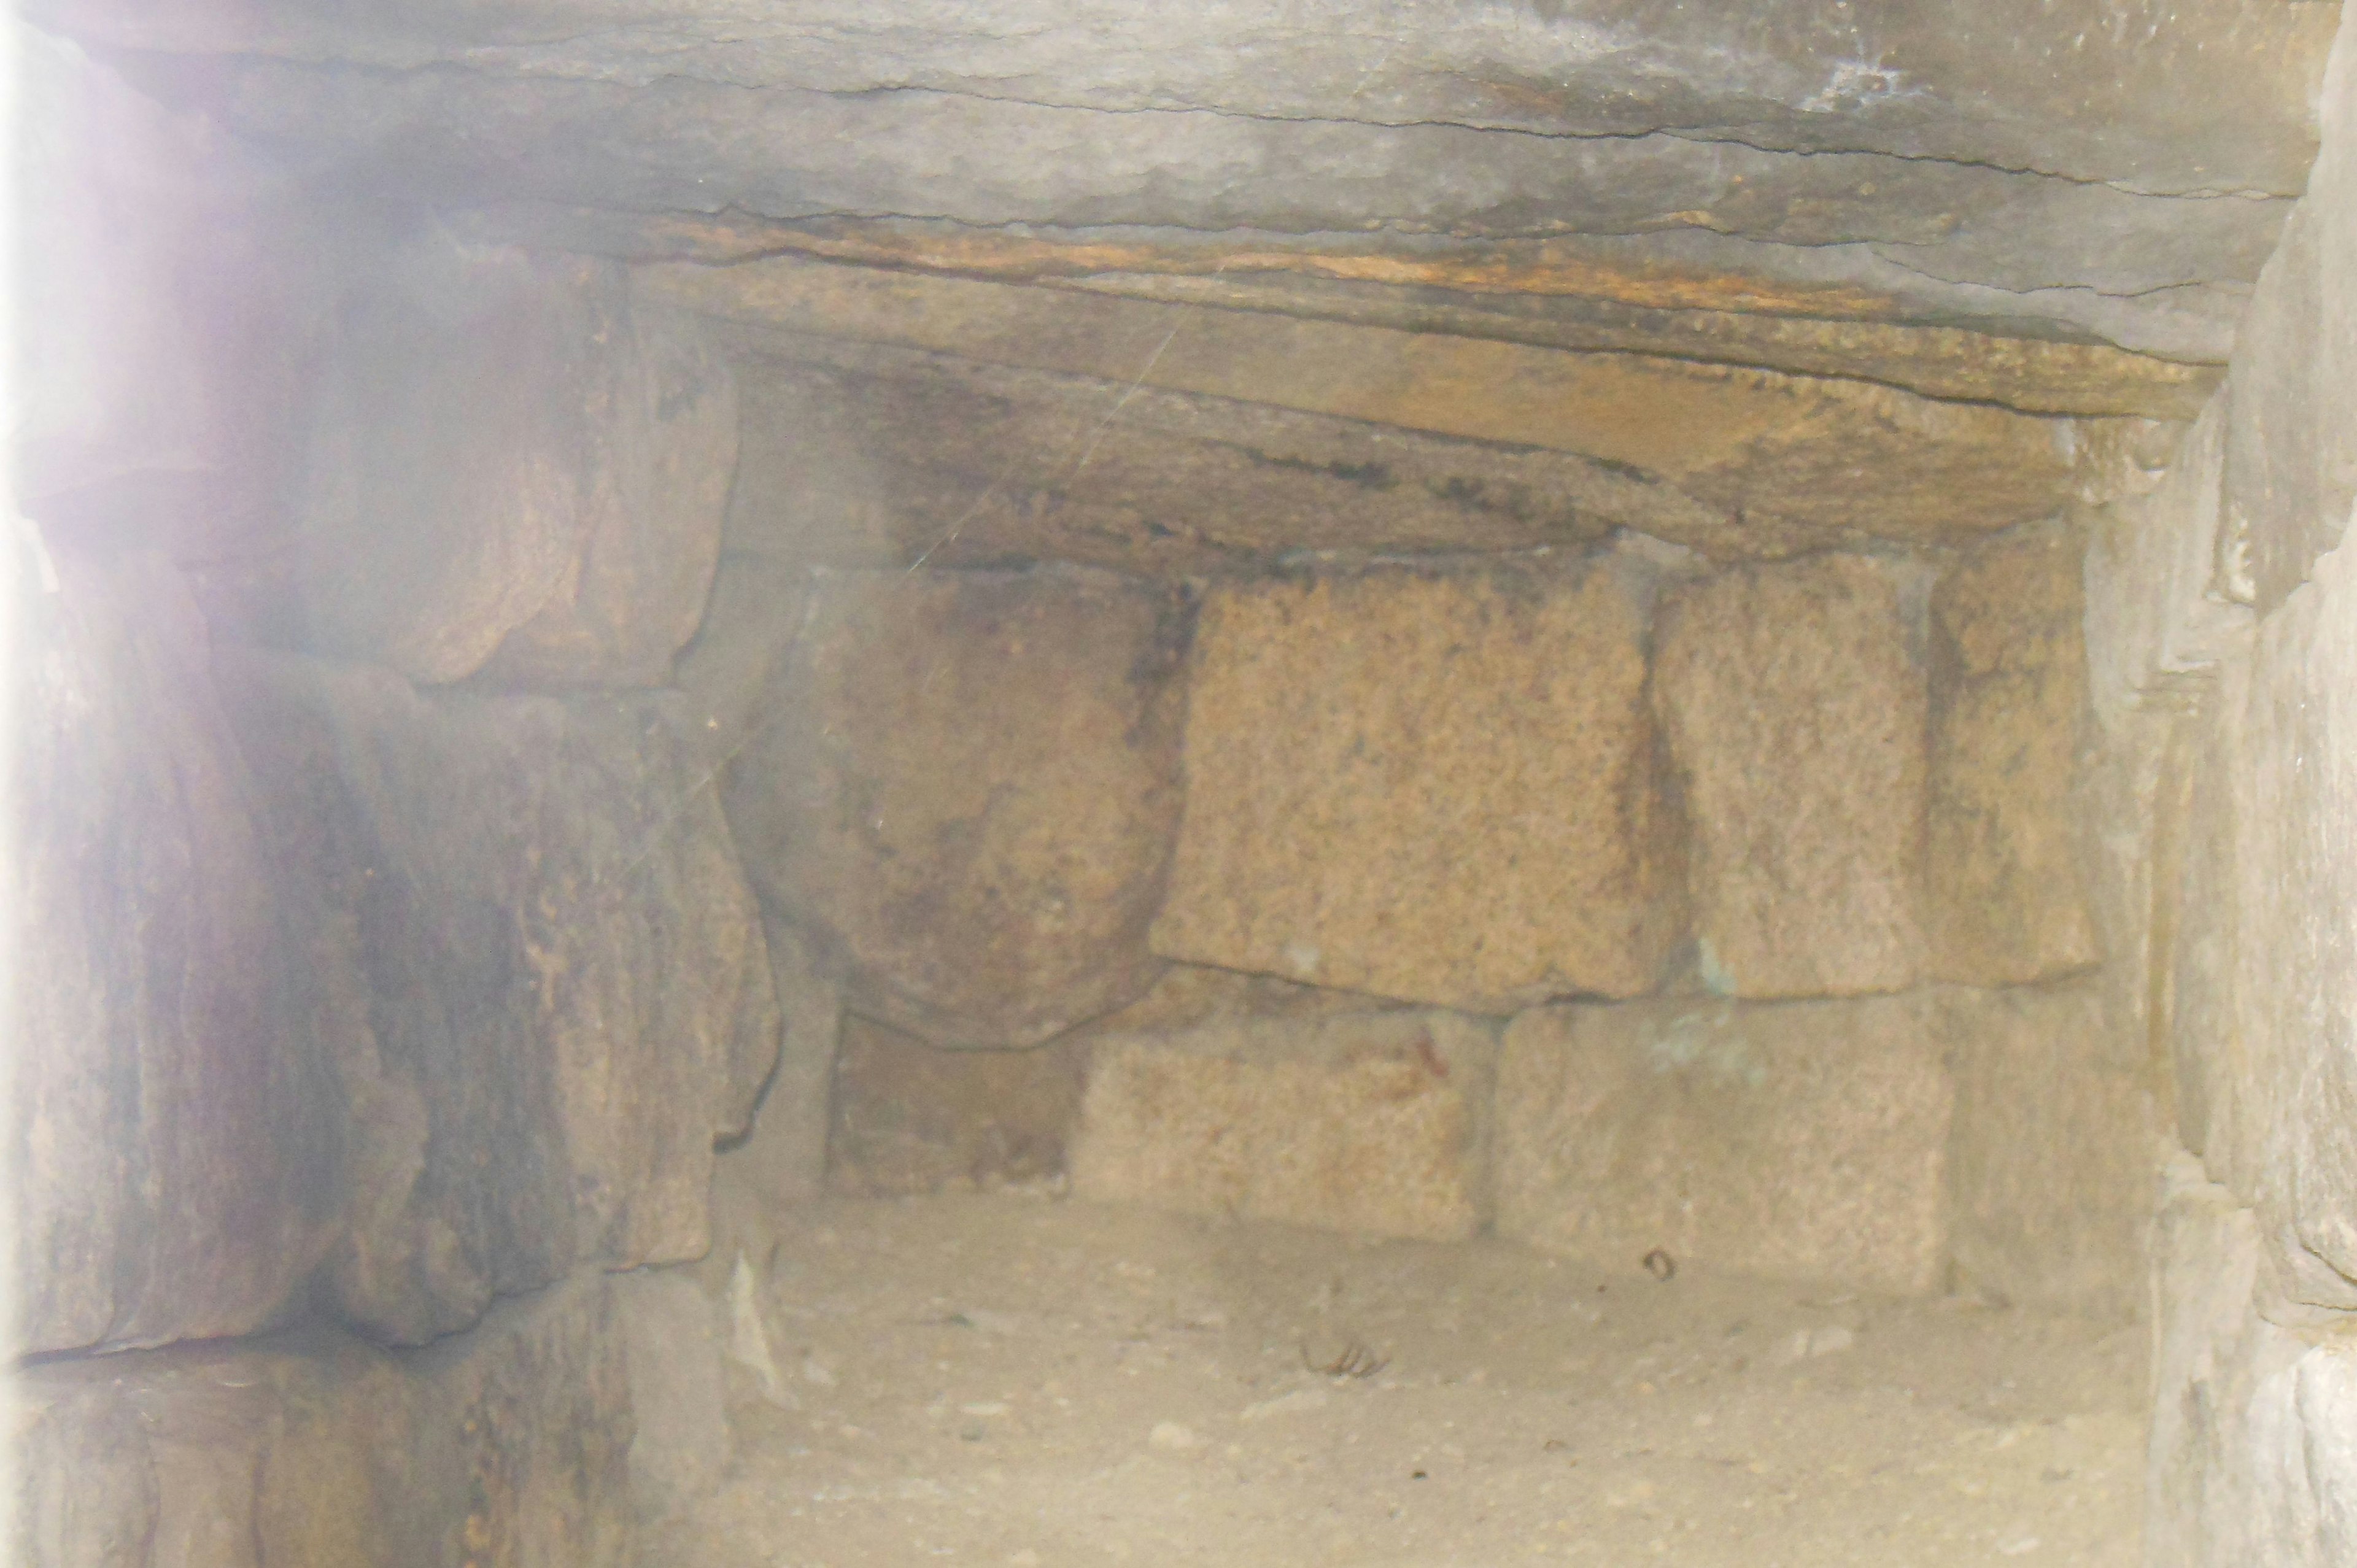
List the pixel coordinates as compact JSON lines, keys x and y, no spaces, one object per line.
{"x":2291,"y":446}
{"x":1373,"y":1123}
{"x":514,"y":471}
{"x":2055,"y":1155}
{"x":2007,"y":850}
{"x":538,"y":967}
{"x":172,"y":1139}
{"x":908,"y":1117}
{"x":507,"y":1444}
{"x":1795,"y":706}
{"x":968,"y":799}
{"x":1798,"y":1139}
{"x":2253,"y":1447}
{"x":1437,"y":784}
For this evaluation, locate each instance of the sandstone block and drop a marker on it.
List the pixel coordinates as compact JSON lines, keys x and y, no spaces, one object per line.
{"x":1431,"y":784}
{"x":968,"y":797}
{"x":909,"y":1117}
{"x":506,"y":1443}
{"x":514,"y":470}
{"x":2005,"y":853}
{"x":1376,"y":1122}
{"x":1800,"y":1140}
{"x":1795,"y":707}
{"x":172,"y":1149}
{"x":2053,"y":1165}
{"x":540,"y":968}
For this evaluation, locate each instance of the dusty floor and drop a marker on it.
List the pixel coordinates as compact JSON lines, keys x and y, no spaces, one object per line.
{"x":1015,"y":1381}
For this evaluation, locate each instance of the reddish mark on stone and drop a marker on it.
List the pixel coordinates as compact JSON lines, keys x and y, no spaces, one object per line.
{"x":1430,"y":1058}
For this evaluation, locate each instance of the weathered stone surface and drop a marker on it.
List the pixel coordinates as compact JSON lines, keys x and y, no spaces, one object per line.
{"x":1189,"y":995}
{"x":2159,"y":614}
{"x":2253,"y":1447}
{"x":2294,"y":985}
{"x":729,"y":671}
{"x":2005,"y":846}
{"x":680,"y":1444}
{"x":1795,"y":703}
{"x":1437,"y":784}
{"x":1800,"y":1140}
{"x":2055,"y":1158}
{"x":968,"y":798}
{"x":172,"y":1149}
{"x":1556,"y":293}
{"x":873,"y":455}
{"x":2291,"y":444}
{"x":504,"y":1445}
{"x":909,"y":1117}
{"x":779,"y":1160}
{"x":540,"y":969}
{"x":515,"y":469}
{"x":2215,"y":100}
{"x":1830,"y":455}
{"x":1376,"y":1122}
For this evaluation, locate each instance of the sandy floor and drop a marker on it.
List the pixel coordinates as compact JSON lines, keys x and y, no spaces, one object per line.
{"x":1016,"y":1381}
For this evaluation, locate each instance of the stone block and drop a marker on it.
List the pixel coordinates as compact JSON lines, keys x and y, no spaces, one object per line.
{"x":2005,"y":855}
{"x":968,"y":797}
{"x":1795,"y":703}
{"x":1434,"y":784}
{"x":1373,"y":1122}
{"x":506,"y":1443}
{"x":680,"y":1444}
{"x":514,"y":470}
{"x":172,"y":1150}
{"x":908,"y":1116}
{"x":2052,"y":1168}
{"x":2295,"y":980}
{"x":2291,"y":442}
{"x":538,"y":964}
{"x":1803,"y":1140}
{"x":2160,"y":613}
{"x":2253,"y":1454}
{"x":730,"y":672}
{"x":780,"y":1162}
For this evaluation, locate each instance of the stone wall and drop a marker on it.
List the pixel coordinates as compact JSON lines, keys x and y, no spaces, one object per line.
{"x":2220,"y":615}
{"x":372,"y":1033}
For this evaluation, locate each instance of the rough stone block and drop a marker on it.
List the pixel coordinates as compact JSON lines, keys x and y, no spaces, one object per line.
{"x":680,"y":1444}
{"x":911,"y":1117}
{"x":540,"y":968}
{"x":2007,"y":851}
{"x":1795,"y":705}
{"x":2295,"y":981}
{"x":172,"y":1156}
{"x":2052,"y":1168}
{"x":1432,"y":784}
{"x":506,"y":1443}
{"x":2253,"y":1444}
{"x":968,"y":798}
{"x":1376,"y":1122}
{"x":514,"y":470}
{"x":2159,"y":611}
{"x":1798,"y":1139}
{"x":2291,"y":442}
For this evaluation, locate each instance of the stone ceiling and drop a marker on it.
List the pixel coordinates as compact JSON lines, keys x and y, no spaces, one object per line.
{"x":1108,"y":280}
